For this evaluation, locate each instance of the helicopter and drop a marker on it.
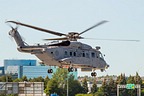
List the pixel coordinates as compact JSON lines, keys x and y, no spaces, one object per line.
{"x":67,"y":52}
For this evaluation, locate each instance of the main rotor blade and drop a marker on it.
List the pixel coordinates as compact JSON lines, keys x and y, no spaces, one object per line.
{"x":64,"y":38}
{"x":37,"y":28}
{"x":114,"y":39}
{"x":102,"y":22}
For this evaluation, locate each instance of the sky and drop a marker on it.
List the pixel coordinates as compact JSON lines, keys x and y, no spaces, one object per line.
{"x":126,"y":21}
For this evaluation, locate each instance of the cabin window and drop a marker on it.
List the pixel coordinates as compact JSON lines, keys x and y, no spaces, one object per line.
{"x":70,"y":53}
{"x":66,"y":53}
{"x":87,"y":55}
{"x":74,"y":53}
{"x":93,"y":54}
{"x":83,"y":54}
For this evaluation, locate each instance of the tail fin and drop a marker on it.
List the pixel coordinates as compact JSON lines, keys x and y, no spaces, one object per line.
{"x":15,"y":34}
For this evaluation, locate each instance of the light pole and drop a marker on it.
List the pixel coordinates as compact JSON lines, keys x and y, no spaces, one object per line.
{"x":67,"y":88}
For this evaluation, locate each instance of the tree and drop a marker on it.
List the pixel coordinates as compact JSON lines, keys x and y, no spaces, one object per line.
{"x":38,"y":79}
{"x":74,"y":87}
{"x":24,"y":78}
{"x":134,"y":80}
{"x":104,"y":89}
{"x":94,"y":87}
{"x":17,"y":80}
{"x":131,"y":92}
{"x":113,"y":87}
{"x":3,"y":79}
{"x":84,"y":85}
{"x":138,"y":79}
{"x":52,"y":87}
{"x":46,"y":80}
{"x":58,"y":82}
{"x":121,"y":79}
{"x":6,"y":78}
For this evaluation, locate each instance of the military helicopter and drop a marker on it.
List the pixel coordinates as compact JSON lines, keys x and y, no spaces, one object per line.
{"x":66,"y":53}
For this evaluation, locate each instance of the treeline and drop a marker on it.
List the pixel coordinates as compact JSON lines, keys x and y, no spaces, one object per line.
{"x":109,"y":87}
{"x":63,"y":83}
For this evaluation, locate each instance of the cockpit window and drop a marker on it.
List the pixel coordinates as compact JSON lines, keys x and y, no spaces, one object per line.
{"x":101,"y":56}
{"x":93,"y":54}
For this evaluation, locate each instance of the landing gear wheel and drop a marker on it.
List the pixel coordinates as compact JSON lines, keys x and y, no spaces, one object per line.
{"x":70,"y":69}
{"x":93,"y":74}
{"x":50,"y":71}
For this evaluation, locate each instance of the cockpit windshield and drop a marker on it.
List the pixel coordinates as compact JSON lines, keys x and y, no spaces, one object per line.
{"x":101,"y":56}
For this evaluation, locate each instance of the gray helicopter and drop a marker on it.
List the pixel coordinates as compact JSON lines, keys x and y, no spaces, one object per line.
{"x":67,"y":53}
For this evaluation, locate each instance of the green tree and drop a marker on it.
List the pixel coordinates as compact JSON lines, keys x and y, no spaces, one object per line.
{"x":24,"y":78}
{"x":138,"y":79}
{"x":52,"y":87}
{"x":46,"y":80}
{"x":122,"y":80}
{"x":74,"y":87}
{"x":17,"y":80}
{"x":58,"y":82}
{"x":131,"y":92}
{"x":94,"y":87}
{"x":104,"y":89}
{"x":112,"y":87}
{"x":134,"y":80}
{"x":6,"y":78}
{"x":38,"y":79}
{"x":84,"y":85}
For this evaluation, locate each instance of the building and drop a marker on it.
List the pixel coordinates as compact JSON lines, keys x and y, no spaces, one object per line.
{"x":22,"y":88}
{"x":29,"y":68}
{"x":13,"y":67}
{"x":35,"y":71}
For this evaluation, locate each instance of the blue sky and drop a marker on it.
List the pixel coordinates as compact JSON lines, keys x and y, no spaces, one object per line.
{"x":126,"y":21}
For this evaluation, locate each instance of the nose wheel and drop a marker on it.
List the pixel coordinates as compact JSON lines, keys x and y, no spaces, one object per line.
{"x":93,"y":74}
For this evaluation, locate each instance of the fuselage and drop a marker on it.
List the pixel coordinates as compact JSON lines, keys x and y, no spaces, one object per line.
{"x":77,"y":54}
